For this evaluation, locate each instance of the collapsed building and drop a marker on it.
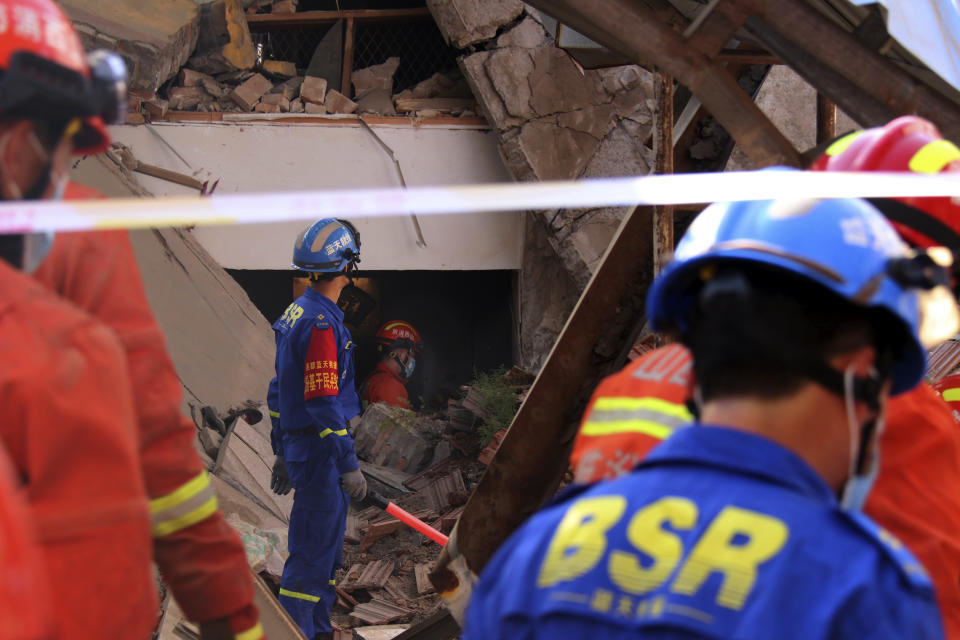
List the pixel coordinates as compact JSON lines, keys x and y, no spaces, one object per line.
{"x":262,"y":95}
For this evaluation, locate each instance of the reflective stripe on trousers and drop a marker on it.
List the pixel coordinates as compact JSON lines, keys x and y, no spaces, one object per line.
{"x":189,"y":504}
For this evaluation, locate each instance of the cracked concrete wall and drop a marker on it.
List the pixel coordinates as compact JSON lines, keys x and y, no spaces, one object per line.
{"x":555,"y":121}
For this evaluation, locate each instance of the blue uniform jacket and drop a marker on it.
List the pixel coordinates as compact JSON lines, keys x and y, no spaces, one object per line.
{"x":314,"y":386}
{"x":719,"y":534}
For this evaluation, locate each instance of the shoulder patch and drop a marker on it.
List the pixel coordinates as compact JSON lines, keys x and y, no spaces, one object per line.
{"x":321,"y":323}
{"x":910,"y":568}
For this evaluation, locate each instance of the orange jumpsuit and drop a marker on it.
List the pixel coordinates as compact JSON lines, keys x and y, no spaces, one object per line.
{"x":916,"y":495}
{"x":199,"y":555}
{"x":25,"y":601}
{"x":384,"y":385}
{"x":70,"y":429}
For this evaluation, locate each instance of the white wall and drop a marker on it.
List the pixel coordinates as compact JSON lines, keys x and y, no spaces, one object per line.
{"x":279,"y":157}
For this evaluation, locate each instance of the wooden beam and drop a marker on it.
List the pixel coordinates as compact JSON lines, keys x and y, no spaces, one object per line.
{"x":866,"y":85}
{"x":307,"y":18}
{"x":635,"y":31}
{"x":663,"y":149}
{"x":350,"y":32}
{"x":533,"y":457}
{"x":826,"y":119}
{"x":739,"y":56}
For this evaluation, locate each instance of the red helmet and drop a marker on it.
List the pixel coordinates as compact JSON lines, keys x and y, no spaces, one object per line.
{"x":908,"y":143}
{"x":45,"y":74}
{"x":398,"y":334}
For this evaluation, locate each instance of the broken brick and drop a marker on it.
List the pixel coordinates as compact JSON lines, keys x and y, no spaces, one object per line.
{"x":280,"y":67}
{"x":185,"y":98}
{"x":289,"y":88}
{"x":156,"y":108}
{"x":277,"y":99}
{"x":318,"y":109}
{"x":336,"y":102}
{"x":486,"y":456}
{"x":264,"y":107}
{"x":191,"y":78}
{"x":422,"y":573}
{"x":313,"y":90}
{"x":249,"y":93}
{"x":296,"y":106}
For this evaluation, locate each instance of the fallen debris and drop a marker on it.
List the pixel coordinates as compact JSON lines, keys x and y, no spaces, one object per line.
{"x":379,"y":632}
{"x":379,"y":612}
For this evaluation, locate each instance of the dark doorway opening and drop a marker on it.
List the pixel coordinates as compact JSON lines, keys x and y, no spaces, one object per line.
{"x":464,"y":317}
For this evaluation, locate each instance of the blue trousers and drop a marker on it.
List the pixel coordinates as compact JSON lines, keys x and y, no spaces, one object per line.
{"x":315,"y":541}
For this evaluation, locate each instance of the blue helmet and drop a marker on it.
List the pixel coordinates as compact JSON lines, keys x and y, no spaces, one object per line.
{"x":844,"y":245}
{"x":327,"y":246}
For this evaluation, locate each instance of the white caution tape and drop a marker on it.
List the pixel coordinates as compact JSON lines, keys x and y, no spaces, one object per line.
{"x":132,"y":213}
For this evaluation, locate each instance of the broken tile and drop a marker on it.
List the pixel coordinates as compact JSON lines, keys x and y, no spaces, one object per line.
{"x":425,"y":477}
{"x":336,"y":102}
{"x":352,"y":534}
{"x":379,"y":612}
{"x":422,"y":573}
{"x":441,"y":491}
{"x":379,"y":632}
{"x":280,"y":67}
{"x":372,"y":575}
{"x":486,"y":456}
{"x":248,"y":93}
{"x":313,"y":90}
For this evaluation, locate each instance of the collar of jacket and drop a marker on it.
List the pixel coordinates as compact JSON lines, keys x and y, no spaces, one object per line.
{"x":328,"y":305}
{"x":743,"y":454}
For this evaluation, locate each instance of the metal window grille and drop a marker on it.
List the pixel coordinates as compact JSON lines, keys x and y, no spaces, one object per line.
{"x":418,"y":44}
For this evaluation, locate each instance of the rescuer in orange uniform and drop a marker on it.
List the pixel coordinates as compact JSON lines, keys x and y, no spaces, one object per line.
{"x":69,"y":424}
{"x":62,"y":104}
{"x":25,"y":612}
{"x":398,"y":344}
{"x":915,"y":495}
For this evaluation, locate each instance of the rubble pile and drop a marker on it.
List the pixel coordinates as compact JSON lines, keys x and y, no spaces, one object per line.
{"x":204,"y":59}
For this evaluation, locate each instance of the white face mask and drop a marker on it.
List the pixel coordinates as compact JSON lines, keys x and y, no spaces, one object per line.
{"x":857,"y":488}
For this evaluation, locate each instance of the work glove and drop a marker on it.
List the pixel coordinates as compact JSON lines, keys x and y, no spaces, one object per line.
{"x":354,"y":484}
{"x":280,"y":479}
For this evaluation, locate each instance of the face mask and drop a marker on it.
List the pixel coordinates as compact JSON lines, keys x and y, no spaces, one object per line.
{"x":409,"y":367}
{"x":857,"y":488}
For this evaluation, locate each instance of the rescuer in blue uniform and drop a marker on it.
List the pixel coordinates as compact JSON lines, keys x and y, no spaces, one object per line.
{"x":802,"y":318}
{"x":311,"y":401}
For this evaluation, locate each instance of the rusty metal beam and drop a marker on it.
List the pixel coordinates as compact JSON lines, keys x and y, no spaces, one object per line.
{"x":869,"y":87}
{"x":634,"y":30}
{"x":826,"y":119}
{"x":714,"y":26}
{"x":533,"y":457}
{"x":663,"y":150}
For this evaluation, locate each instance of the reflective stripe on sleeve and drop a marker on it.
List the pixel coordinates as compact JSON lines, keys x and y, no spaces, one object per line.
{"x":186,"y":506}
{"x":254,"y":633}
{"x":338,"y":432}
{"x":274,"y":414}
{"x":298,"y":595}
{"x":651,"y":416}
{"x":333,"y":582}
{"x":934,"y":156}
{"x":951,"y":395}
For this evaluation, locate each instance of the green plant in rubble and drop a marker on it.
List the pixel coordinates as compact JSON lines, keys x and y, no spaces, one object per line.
{"x":498,"y":400}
